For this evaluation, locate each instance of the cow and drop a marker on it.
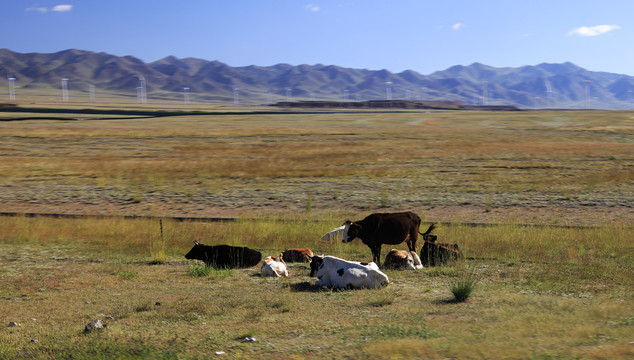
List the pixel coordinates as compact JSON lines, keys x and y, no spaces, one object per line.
{"x":334,"y":233}
{"x":384,"y":228}
{"x":297,"y":255}
{"x":432,"y":253}
{"x":224,"y":256}
{"x":402,"y":260}
{"x":343,"y":274}
{"x":274,"y":267}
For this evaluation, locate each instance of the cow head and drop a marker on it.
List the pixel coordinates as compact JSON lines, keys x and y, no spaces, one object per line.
{"x":316,"y":263}
{"x":197,"y":252}
{"x":351,"y":231}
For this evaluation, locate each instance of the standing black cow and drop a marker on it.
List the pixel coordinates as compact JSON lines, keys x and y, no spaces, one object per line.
{"x":386,"y":228}
{"x":433,"y":253}
{"x":224,"y":256}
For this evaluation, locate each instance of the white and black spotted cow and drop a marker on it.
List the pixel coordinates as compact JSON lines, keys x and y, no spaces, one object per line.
{"x":343,"y":274}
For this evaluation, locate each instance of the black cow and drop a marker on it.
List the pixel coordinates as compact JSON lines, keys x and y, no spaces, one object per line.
{"x":224,"y":256}
{"x":433,"y":253}
{"x":386,"y":228}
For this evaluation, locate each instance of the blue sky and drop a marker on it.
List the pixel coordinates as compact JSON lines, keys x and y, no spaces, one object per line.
{"x":397,"y":35}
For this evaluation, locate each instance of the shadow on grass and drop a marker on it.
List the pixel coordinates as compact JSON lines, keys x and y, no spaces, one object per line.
{"x":305,"y":287}
{"x":448,"y":301}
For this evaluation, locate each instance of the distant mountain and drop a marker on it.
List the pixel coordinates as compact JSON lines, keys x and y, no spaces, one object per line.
{"x":543,"y":86}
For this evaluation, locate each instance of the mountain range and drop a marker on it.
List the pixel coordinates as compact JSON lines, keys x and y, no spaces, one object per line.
{"x":546,"y":85}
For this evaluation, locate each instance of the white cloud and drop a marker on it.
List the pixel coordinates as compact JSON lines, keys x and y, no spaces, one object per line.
{"x":593,"y":30}
{"x":56,"y":8}
{"x":38,"y":9}
{"x":312,"y":7}
{"x":458,"y":26}
{"x":62,"y":8}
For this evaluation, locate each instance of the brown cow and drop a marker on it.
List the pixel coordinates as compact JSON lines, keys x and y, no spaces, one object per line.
{"x":384,"y":228}
{"x":433,"y":253}
{"x":297,"y":255}
{"x":402,"y":260}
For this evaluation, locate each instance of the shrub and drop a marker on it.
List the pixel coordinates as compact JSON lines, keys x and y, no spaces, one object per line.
{"x":463,"y":286}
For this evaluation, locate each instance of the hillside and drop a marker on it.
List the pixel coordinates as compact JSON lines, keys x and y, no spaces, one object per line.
{"x":541,"y":86}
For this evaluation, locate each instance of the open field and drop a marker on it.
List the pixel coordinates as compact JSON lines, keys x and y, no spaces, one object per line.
{"x":545,"y":167}
{"x":559,"y":289}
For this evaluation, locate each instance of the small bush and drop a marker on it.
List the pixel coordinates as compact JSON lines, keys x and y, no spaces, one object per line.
{"x":196,"y":270}
{"x":463,"y":286}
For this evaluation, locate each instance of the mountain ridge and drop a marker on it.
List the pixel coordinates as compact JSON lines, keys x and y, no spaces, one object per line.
{"x":545,"y":85}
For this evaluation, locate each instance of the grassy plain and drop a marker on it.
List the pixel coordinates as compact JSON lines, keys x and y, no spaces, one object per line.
{"x":560,"y":288}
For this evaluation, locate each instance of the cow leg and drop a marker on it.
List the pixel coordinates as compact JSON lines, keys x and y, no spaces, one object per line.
{"x":376,"y":254}
{"x":411,"y":240}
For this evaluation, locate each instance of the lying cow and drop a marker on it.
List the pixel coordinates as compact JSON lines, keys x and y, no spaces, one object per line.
{"x":274,"y":267}
{"x":297,"y":255}
{"x":343,"y":274}
{"x":402,"y":260}
{"x":433,"y":253}
{"x":224,"y":256}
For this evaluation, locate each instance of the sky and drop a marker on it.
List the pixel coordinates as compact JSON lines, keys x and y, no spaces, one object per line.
{"x":397,"y":35}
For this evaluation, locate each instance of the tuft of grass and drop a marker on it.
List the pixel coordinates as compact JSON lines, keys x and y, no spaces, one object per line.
{"x":197,"y":270}
{"x":309,"y":203}
{"x":128,"y":275}
{"x":382,"y":299}
{"x":385,"y":198}
{"x":463,"y":286}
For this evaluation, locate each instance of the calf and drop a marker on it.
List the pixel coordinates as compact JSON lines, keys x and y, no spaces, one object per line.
{"x":274,"y":267}
{"x":224,"y":256}
{"x":297,"y":255}
{"x":343,"y":274}
{"x":433,"y":253}
{"x":402,"y":260}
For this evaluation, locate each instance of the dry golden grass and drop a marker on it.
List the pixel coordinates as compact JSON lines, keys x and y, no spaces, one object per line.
{"x":350,"y":161}
{"x":535,"y":297}
{"x":543,"y":292}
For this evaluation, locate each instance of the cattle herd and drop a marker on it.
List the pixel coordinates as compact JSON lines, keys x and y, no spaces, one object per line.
{"x":374,"y":231}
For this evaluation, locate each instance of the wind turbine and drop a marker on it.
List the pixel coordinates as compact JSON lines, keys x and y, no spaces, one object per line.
{"x":587,"y":82}
{"x":186,"y":95}
{"x":236,"y":96}
{"x":289,"y":94}
{"x":388,"y":90}
{"x":11,"y":87}
{"x":485,"y":92}
{"x":64,"y":90}
{"x":549,"y":93}
{"x":91,"y":92}
{"x":141,"y":90}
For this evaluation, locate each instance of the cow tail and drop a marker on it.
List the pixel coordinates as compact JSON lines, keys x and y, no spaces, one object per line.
{"x":431,"y":228}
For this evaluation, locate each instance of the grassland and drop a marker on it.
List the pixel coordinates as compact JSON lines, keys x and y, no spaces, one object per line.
{"x":560,"y":287}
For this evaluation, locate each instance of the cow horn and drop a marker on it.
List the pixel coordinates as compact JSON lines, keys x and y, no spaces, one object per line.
{"x":196,"y":242}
